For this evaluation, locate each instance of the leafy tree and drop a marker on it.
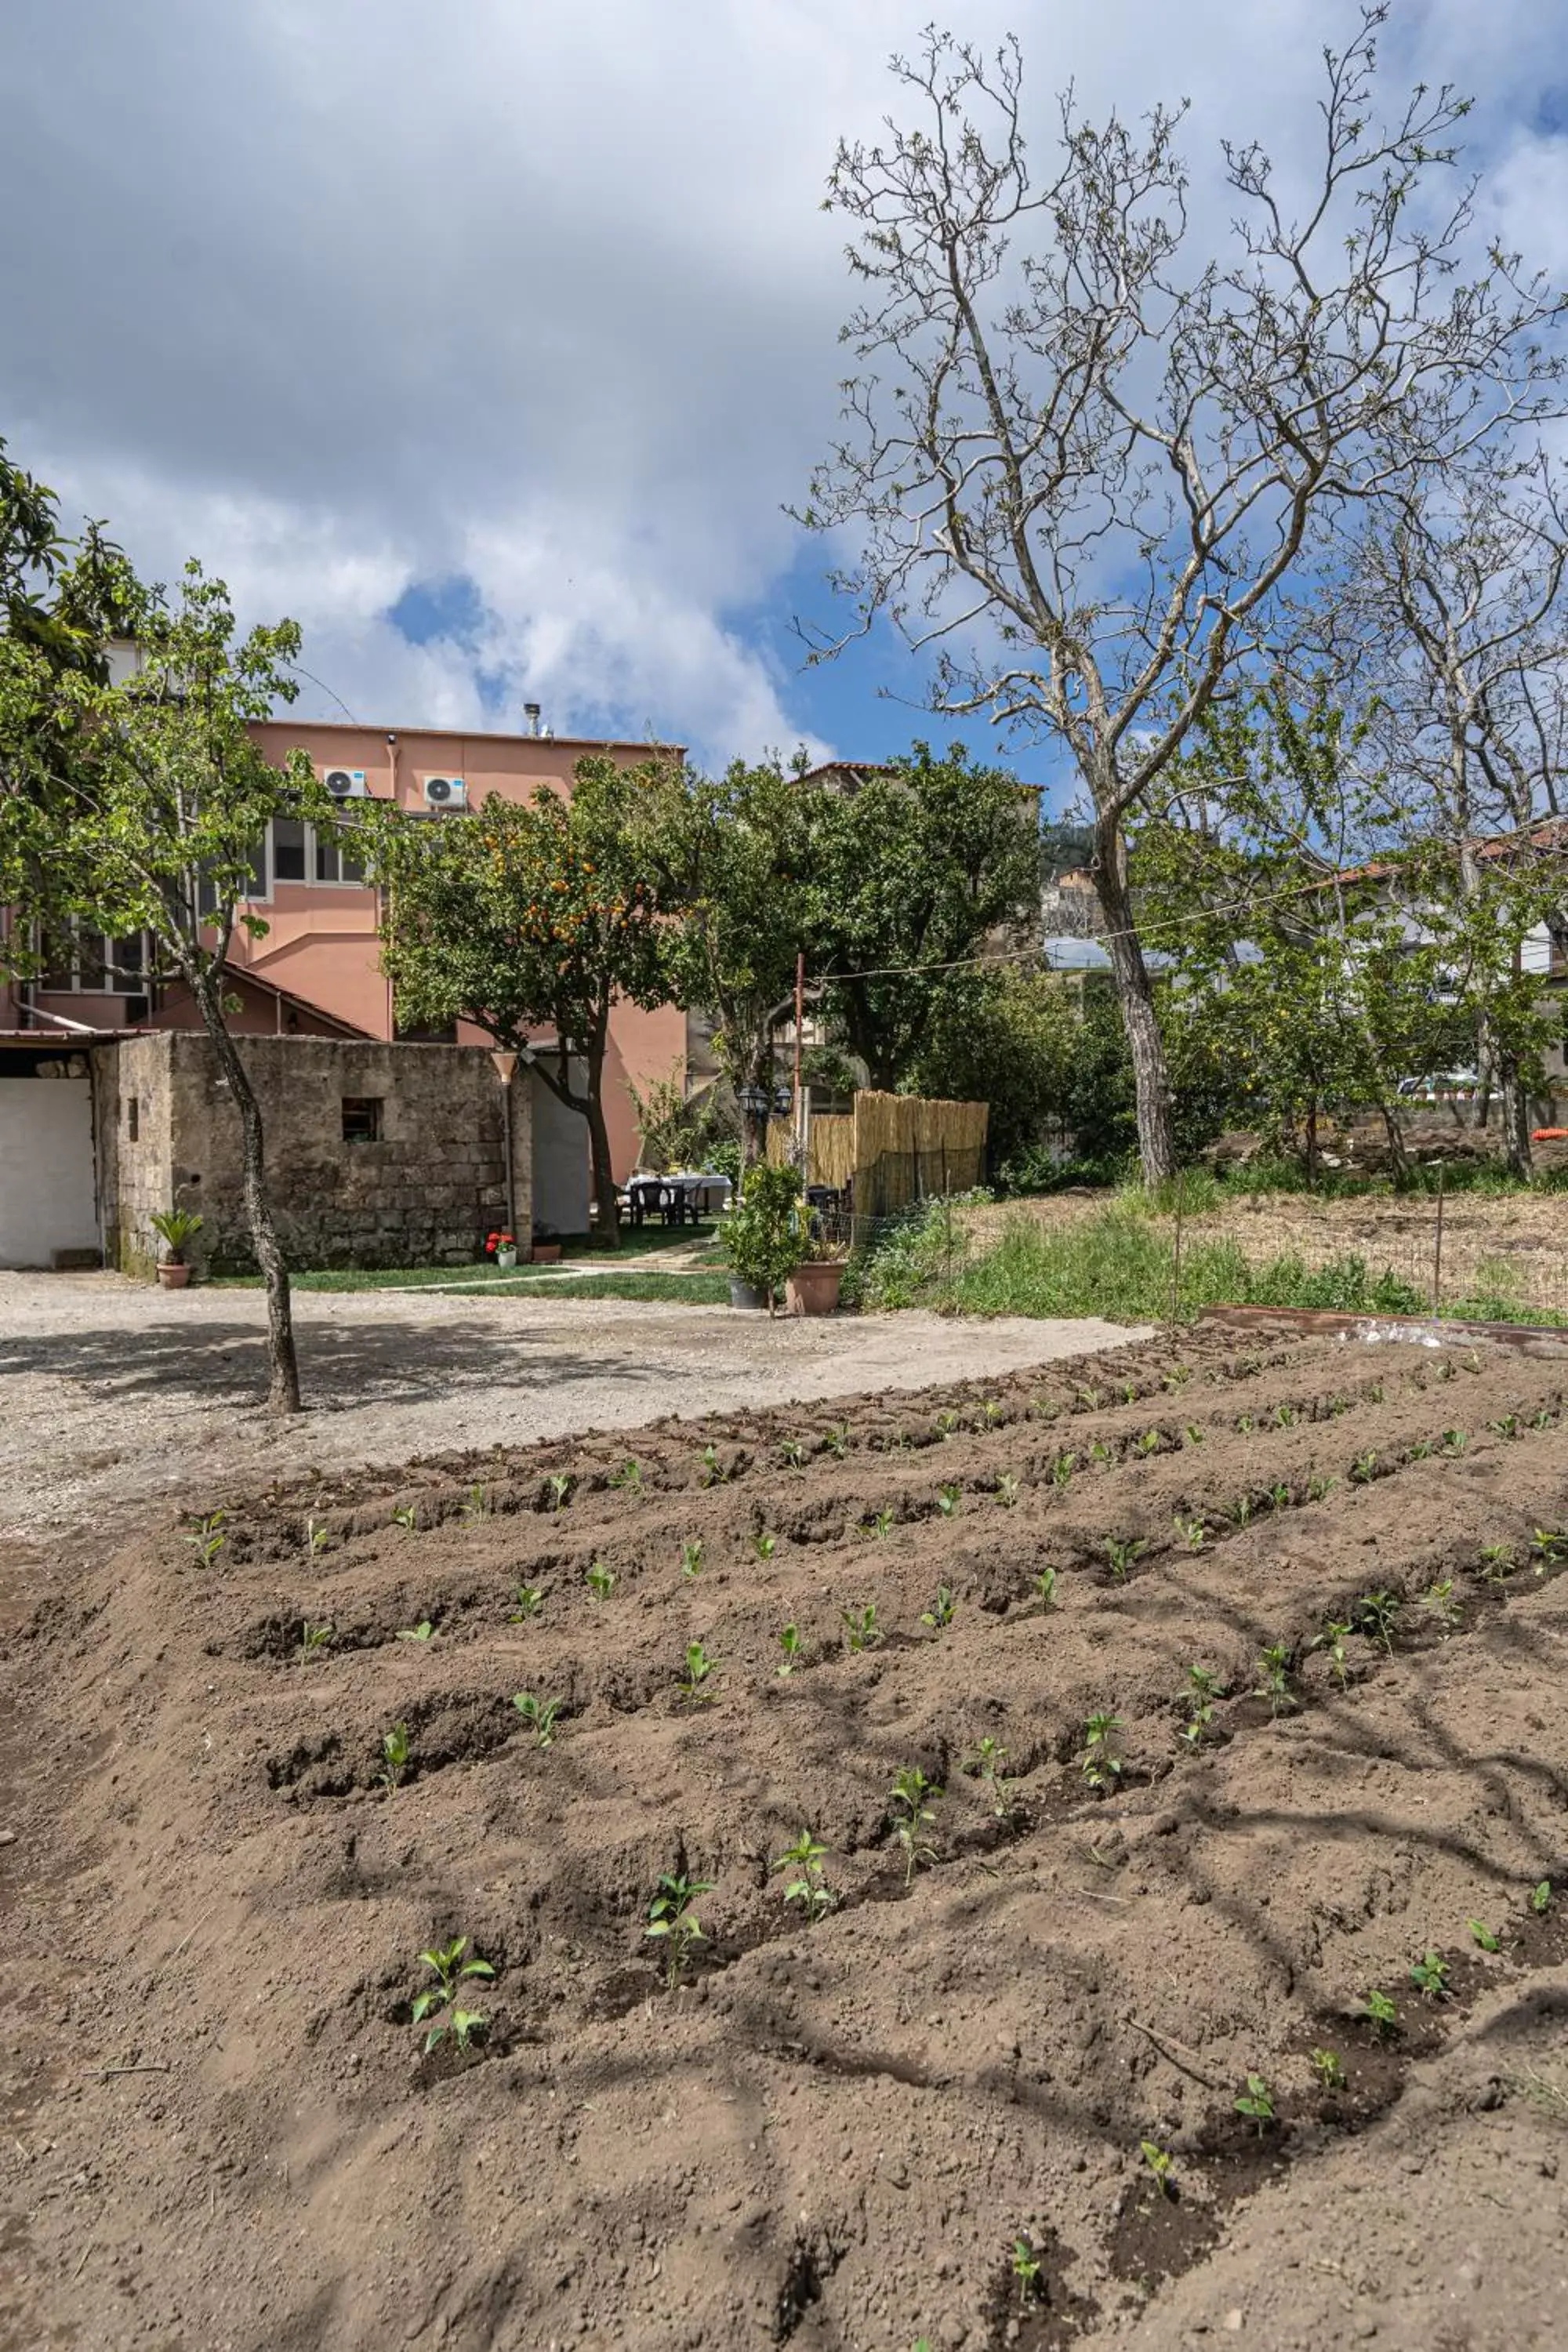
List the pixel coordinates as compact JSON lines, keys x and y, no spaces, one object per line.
{"x":731,"y":858}
{"x":525,"y":918}
{"x":137,"y":807}
{"x":913,"y":871}
{"x":1082,"y":462}
{"x":678,"y":1131}
{"x":1010,"y":1038}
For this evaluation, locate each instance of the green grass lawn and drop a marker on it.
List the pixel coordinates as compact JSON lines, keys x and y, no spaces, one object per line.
{"x":630,"y":1272}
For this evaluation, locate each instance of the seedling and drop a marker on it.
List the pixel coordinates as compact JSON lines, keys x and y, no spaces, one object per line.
{"x":1439,"y":1604}
{"x":318,"y":1536}
{"x":1045,"y":1587}
{"x":529,"y":1602}
{"x":1130,"y":1392}
{"x":1376,"y":1614}
{"x":879,"y":1525}
{"x":1092,"y":1398}
{"x":1507,"y":1427}
{"x":1486,"y":1937}
{"x":791,"y":1645}
{"x":1062,"y":1469}
{"x":1102,"y":1761}
{"x":1429,"y":1975}
{"x":672,"y":1921}
{"x":559,"y":1486}
{"x":1423,"y":1449}
{"x":1329,"y":2068}
{"x":420,"y":1633}
{"x":1204,"y":1685}
{"x":629,"y":1478}
{"x":1496,"y":1561}
{"x":861,"y":1630}
{"x":407,"y":1518}
{"x":1197,"y":1723}
{"x":836,"y":1441}
{"x":1285,"y":1416}
{"x":911,"y":1801}
{"x":992,"y":1413}
{"x":1540,"y":1898}
{"x":540,"y":1715}
{"x":1318,"y":1487}
{"x":1543,"y":1418}
{"x":451,"y":1970}
{"x":945,"y":1423}
{"x":1332,"y":1640}
{"x":691,"y":1559}
{"x":313,"y":1640}
{"x":1161,"y":2164}
{"x":713,"y":1471}
{"x":1380,"y":2014}
{"x":600,"y":1581}
{"x":949,"y":1500}
{"x":988,"y":1761}
{"x":1549,"y":1545}
{"x":1006,"y":1490}
{"x":1099,"y":1451}
{"x":1274,"y":1684}
{"x":1192,"y":1434}
{"x":1445,"y":1370}
{"x":1455,"y":1440}
{"x":1192,"y":1534}
{"x":1241,"y":1510}
{"x":1246,"y":1424}
{"x":1120,"y":1554}
{"x":807,"y":1888}
{"x":791,"y":1452}
{"x":1176,"y":1378}
{"x":1364,"y":1469}
{"x":763,"y":1544}
{"x":1026,"y":2271}
{"x":207,"y":1538}
{"x":939,"y":1614}
{"x":698,"y":1675}
{"x":1148,"y":1443}
{"x":1257,"y":2102}
{"x":393,"y":1755}
{"x":1278,"y":1495}
{"x":478,"y":1504}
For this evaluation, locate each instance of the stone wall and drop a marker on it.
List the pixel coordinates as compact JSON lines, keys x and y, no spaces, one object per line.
{"x":377,"y":1154}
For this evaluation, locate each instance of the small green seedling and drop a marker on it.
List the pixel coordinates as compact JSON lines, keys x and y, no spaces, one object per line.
{"x":713,"y":1471}
{"x":1495,"y":1561}
{"x":629,"y":1478}
{"x":1508,"y":1426}
{"x":1540,"y":1898}
{"x":407,"y":1518}
{"x":1376,"y":1614}
{"x":1380,"y":2014}
{"x":1240,"y":1512}
{"x":600,"y":1581}
{"x":1026,"y":2271}
{"x":1429,"y":1975}
{"x":1332,"y":1640}
{"x":992,"y":1413}
{"x":1130,"y":1392}
{"x":1102,"y":1762}
{"x":1544,"y":1419}
{"x":1364,"y":1469}
{"x":1548,"y":1545}
{"x":1329,"y":2068}
{"x":672,"y":1921}
{"x":1192,"y":1534}
{"x":1374,"y":1392}
{"x":1204,"y":1685}
{"x":1099,"y":1451}
{"x":763,"y":1544}
{"x":207,"y":1538}
{"x":1193,"y":1434}
{"x":1120,"y":1554}
{"x":945,"y":1423}
{"x":1197,"y":1723}
{"x":420,"y":1633}
{"x":477,"y":1506}
{"x":318,"y":1536}
{"x":808,"y":1887}
{"x":558,"y":1485}
{"x":1423,"y":1449}
{"x":912,"y":1800}
{"x":1161,"y":2164}
{"x":451,"y":1970}
{"x":1284,"y":1416}
{"x":1455,"y":1440}
{"x":791,"y":1452}
{"x":393,"y":1755}
{"x":697,"y":1684}
{"x":1257,"y":2102}
{"x":791,"y":1645}
{"x":880,"y":1524}
{"x":939,"y":1614}
{"x":1486,"y":1937}
{"x":1062,"y":1469}
{"x":691,"y":1559}
{"x":1438,"y":1603}
{"x":988,"y":1763}
{"x":1278,"y":1495}
{"x":540,"y":1715}
{"x":1150,"y":1443}
{"x":1006,"y":1490}
{"x":861,"y":1630}
{"x":1176,"y":1378}
{"x":1319,"y":1488}
{"x":314,"y":1640}
{"x":529,"y":1602}
{"x":1091,"y":1399}
{"x":950,"y":1499}
{"x":1274,"y":1684}
{"x":836,"y":1441}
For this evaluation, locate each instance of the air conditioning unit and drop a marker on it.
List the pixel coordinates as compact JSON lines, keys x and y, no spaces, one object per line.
{"x":446,"y":792}
{"x":345,"y":783}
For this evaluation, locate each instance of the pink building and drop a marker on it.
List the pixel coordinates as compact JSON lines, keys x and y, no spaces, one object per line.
{"x":317,"y":970}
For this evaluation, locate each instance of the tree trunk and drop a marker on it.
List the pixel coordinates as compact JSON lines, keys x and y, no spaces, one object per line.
{"x":1398,"y":1158}
{"x":604,"y":1192}
{"x":1515,"y":1108}
{"x":1135,"y":995}
{"x":283,"y":1368}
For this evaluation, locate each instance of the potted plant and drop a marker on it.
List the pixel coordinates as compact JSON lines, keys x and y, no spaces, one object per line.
{"x":503,"y":1248}
{"x":174,"y":1228}
{"x":813,"y":1285}
{"x":765,"y":1235}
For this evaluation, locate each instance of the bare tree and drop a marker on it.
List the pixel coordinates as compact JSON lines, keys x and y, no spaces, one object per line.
{"x":1081,"y":471}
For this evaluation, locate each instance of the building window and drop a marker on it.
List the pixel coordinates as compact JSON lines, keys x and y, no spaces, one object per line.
{"x":300,"y":854}
{"x":133,"y":1119}
{"x":361,"y":1119}
{"x":81,"y":962}
{"x":289,"y":848}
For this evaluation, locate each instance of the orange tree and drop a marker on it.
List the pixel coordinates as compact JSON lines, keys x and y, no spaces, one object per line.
{"x":528,"y":920}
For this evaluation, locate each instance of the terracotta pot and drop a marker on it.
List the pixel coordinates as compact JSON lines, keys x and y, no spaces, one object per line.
{"x":172,"y":1274}
{"x":813,"y":1288}
{"x":545,"y":1253}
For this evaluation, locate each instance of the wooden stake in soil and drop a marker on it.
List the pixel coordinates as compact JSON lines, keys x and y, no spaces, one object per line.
{"x":1176,"y":1258}
{"x":1437,"y":1249}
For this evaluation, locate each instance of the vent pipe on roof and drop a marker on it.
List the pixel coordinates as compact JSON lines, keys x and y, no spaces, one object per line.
{"x":530,"y":712}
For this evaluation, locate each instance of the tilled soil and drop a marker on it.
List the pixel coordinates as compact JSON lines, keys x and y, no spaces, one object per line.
{"x":926,"y":2113}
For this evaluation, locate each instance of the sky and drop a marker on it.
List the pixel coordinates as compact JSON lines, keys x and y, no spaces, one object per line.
{"x":493,"y":342}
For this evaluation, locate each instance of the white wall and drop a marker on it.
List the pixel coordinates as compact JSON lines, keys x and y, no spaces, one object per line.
{"x":561,"y":1187}
{"x":45,"y":1169}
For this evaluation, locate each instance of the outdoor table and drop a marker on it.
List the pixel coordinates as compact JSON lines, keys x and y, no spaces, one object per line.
{"x":687,"y":1197}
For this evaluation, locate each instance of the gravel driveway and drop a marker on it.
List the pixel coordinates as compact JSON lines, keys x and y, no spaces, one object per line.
{"x":114,"y":1396}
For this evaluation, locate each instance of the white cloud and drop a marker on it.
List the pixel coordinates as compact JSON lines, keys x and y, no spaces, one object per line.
{"x":349,"y":294}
